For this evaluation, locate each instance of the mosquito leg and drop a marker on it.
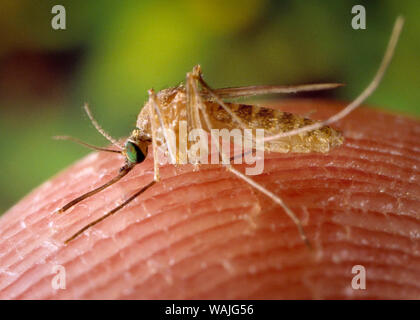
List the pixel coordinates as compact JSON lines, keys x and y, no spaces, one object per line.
{"x":197,"y":76}
{"x":192,"y":105}
{"x":152,"y":118}
{"x":156,"y":110}
{"x":362,"y":97}
{"x":240,"y":175}
{"x":219,"y":100}
{"x":353,"y":105}
{"x":193,"y":115}
{"x":123,"y":171}
{"x":110,"y":213}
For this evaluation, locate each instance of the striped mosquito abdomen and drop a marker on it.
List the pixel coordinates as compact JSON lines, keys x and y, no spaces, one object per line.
{"x":276,"y":121}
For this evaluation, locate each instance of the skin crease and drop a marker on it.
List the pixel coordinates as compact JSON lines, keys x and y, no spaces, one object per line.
{"x":208,"y":235}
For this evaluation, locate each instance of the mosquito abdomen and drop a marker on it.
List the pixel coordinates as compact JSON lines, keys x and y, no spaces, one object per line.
{"x":276,"y":121}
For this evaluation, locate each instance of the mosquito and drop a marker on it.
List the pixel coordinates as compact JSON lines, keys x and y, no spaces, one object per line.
{"x":206,"y":108}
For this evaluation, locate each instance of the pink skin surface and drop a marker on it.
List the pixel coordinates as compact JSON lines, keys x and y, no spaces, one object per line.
{"x":206,"y":234}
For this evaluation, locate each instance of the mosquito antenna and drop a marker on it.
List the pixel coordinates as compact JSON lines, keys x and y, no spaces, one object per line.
{"x":99,"y":128}
{"x":85,"y":144}
{"x":110,"y":212}
{"x":365,"y":93}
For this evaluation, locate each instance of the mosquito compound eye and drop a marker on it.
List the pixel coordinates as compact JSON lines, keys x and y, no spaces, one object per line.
{"x":134,"y":153}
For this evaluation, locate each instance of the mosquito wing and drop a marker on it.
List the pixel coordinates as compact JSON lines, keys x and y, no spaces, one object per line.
{"x":260,"y":90}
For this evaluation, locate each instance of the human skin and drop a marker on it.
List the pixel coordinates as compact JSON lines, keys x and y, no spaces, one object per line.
{"x":208,"y":235}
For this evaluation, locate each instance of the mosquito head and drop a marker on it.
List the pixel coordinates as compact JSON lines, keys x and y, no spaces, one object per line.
{"x":135,"y":153}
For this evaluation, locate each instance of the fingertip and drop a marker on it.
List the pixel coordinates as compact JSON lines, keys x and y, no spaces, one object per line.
{"x":205,"y":234}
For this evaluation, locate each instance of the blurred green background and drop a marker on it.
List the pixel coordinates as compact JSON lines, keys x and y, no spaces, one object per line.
{"x":113,"y":51}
